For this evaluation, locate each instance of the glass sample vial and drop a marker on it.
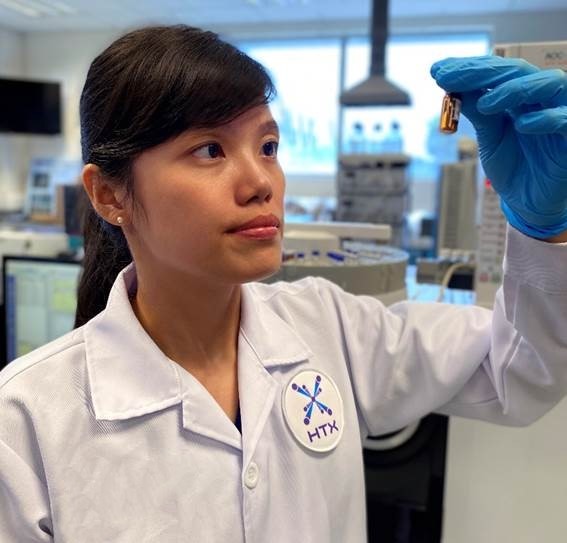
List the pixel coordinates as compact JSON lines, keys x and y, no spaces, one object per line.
{"x":450,"y":112}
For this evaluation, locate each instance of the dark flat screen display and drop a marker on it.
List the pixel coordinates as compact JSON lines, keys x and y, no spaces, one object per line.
{"x":30,"y":107}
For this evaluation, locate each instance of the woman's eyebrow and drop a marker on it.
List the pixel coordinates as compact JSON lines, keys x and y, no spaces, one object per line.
{"x":269,"y":126}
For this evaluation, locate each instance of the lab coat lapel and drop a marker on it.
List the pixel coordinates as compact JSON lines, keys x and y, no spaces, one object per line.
{"x":265,"y":341}
{"x":257,"y":391}
{"x":203,"y":415}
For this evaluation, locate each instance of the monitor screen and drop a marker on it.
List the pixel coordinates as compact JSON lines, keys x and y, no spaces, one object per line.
{"x":40,"y":297}
{"x":30,"y":107}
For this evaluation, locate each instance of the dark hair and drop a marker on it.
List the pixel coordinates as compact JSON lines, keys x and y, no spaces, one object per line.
{"x":148,"y":86}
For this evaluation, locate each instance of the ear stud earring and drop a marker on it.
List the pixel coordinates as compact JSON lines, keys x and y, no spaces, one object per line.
{"x":119,"y":220}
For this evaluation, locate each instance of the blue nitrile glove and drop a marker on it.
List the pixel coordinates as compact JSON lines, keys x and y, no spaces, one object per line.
{"x":520,"y":116}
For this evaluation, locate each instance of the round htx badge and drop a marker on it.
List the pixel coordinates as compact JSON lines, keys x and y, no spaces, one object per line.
{"x":313,"y":410}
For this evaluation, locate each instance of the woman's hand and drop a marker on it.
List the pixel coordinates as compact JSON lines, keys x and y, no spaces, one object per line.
{"x":520,"y":116}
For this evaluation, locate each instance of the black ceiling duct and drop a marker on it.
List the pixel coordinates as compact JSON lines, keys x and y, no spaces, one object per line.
{"x":376,"y":90}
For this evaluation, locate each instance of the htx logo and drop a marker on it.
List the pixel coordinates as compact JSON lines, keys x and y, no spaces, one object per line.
{"x":313,"y":401}
{"x":331,"y":426}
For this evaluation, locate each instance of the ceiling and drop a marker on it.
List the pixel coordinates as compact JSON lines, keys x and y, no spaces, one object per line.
{"x":66,"y":15}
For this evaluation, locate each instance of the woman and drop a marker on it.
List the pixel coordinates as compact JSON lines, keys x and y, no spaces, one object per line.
{"x":194,"y":405}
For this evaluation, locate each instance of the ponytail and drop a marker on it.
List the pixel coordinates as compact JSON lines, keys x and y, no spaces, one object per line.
{"x":106,"y":253}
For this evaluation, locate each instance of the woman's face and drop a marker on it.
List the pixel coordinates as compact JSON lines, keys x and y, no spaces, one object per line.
{"x":196,"y":194}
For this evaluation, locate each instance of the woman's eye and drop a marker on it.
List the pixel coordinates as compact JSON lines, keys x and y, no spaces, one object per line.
{"x":270,"y":148}
{"x":210,"y":150}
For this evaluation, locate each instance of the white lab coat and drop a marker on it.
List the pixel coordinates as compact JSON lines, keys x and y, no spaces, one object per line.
{"x":104,"y":439}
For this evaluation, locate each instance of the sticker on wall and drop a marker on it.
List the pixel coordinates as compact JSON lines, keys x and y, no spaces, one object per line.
{"x":313,"y":410}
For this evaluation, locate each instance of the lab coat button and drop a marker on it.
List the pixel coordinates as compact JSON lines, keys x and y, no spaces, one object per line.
{"x":252,"y":475}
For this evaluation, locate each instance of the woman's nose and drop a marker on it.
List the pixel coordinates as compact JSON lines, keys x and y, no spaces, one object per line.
{"x":255,"y":183}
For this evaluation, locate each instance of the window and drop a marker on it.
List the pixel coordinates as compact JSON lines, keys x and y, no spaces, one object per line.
{"x":306,"y":75}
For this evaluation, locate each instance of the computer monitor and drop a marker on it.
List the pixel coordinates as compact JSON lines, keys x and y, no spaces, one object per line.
{"x":40,"y":298}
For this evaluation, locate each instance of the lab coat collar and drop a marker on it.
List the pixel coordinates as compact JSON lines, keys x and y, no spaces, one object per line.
{"x":274,"y":341}
{"x":130,"y":376}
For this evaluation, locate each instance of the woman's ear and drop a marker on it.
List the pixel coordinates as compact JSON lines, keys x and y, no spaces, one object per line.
{"x":106,"y":198}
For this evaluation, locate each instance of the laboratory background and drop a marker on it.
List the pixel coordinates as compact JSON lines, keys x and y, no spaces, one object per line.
{"x":379,"y":200}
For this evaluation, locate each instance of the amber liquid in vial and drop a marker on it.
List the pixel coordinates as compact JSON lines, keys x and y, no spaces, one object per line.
{"x":450,"y":112}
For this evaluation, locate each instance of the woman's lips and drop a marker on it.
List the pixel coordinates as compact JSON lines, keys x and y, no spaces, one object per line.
{"x":260,"y":227}
{"x":261,"y":232}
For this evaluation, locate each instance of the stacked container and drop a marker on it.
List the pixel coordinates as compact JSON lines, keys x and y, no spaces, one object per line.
{"x":374,"y":188}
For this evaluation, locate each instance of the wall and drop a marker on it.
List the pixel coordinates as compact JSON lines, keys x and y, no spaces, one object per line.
{"x":13,"y":149}
{"x":60,"y":57}
{"x":509,"y":26}
{"x":504,"y":27}
{"x":506,"y":484}
{"x":63,"y":57}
